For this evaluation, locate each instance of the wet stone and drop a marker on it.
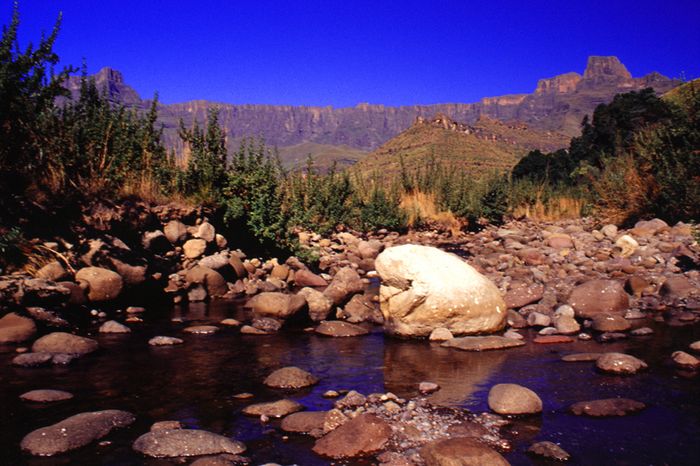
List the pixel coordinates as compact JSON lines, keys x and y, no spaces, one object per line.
{"x":552,"y":339}
{"x":279,"y":408}
{"x":607,"y":407}
{"x":336,"y":328}
{"x":74,"y":432}
{"x":185,"y":442}
{"x":45,"y":396}
{"x":165,"y":341}
{"x":685,"y":360}
{"x":361,"y":436}
{"x":620,"y":363}
{"x":609,"y":337}
{"x":482,"y":343}
{"x":201,"y":329}
{"x":304,"y":422}
{"x":549,"y":450}
{"x":581,"y":357}
{"x":642,"y":332}
{"x":352,"y":400}
{"x":290,"y":377}
{"x":32,"y":359}
{"x":513,"y":399}
{"x":112,"y":326}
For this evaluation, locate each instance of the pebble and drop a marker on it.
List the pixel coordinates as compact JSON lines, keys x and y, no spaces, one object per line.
{"x":642,"y":331}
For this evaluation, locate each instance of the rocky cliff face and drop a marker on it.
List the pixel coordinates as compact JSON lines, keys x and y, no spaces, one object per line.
{"x":558,"y":105}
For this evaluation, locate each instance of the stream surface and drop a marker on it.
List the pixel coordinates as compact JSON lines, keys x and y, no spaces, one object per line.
{"x":195,"y":383}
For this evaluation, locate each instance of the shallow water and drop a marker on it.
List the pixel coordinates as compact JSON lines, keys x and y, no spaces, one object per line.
{"x":195,"y":383}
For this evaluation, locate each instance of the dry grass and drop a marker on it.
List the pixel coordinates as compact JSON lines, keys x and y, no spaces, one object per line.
{"x":422,"y":210}
{"x":622,"y":190}
{"x":558,"y":208}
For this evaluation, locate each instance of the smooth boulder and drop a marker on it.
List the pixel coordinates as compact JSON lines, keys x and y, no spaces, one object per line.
{"x":15,"y":328}
{"x":598,"y":296}
{"x":460,"y":451}
{"x":62,"y":342}
{"x":185,"y":442}
{"x":361,"y":436}
{"x":74,"y":432}
{"x":512,"y":399}
{"x":290,"y":377}
{"x":277,"y":305}
{"x":103,"y":284}
{"x":620,"y":363}
{"x":424,"y":288}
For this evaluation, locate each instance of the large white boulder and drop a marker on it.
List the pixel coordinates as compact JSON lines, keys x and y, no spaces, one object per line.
{"x":424,"y":288}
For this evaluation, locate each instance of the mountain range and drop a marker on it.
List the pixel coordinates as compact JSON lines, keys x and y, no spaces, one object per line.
{"x":553,"y":111}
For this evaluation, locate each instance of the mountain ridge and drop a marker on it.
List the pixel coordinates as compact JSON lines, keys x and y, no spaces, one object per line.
{"x":557,"y":105}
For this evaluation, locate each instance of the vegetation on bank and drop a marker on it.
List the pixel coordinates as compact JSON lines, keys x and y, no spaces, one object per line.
{"x":637,"y":156}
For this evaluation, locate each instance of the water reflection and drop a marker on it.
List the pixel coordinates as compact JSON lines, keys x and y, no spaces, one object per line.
{"x":459,"y":373}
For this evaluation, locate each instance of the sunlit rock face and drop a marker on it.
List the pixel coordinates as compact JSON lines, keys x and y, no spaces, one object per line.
{"x":424,"y":288}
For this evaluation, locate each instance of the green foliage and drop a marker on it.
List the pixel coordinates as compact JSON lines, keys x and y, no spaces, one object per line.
{"x":381,"y":210}
{"x":205,"y":174}
{"x":28,"y":89}
{"x":94,"y":147}
{"x":614,"y":126}
{"x":252,"y":194}
{"x":10,"y":250}
{"x":320,"y":202}
{"x":554,"y":168}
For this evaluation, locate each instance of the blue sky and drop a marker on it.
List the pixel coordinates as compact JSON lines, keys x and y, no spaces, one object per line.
{"x":341,"y":53}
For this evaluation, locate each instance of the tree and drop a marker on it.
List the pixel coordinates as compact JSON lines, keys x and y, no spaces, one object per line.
{"x":28,"y":89}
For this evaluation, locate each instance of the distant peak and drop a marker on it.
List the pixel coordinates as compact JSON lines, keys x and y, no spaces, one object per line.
{"x":109,"y":74}
{"x":606,"y":68}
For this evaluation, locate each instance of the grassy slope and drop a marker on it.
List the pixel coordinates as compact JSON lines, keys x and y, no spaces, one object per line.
{"x":493,"y":146}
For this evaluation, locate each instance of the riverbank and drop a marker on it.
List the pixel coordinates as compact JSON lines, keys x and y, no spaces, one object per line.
{"x":574,"y":290}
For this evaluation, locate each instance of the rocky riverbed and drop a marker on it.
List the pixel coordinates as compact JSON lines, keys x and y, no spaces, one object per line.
{"x":595,"y":337}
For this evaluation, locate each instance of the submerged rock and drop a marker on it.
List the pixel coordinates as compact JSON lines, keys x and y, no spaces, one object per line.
{"x":619,"y":363}
{"x":16,"y":329}
{"x":279,"y":408}
{"x":61,"y":342}
{"x":290,"y":377}
{"x":277,"y":305}
{"x":482,"y":343}
{"x":304,"y":422}
{"x":607,"y":407}
{"x":112,"y":326}
{"x":549,"y":450}
{"x":335,"y":328}
{"x":460,"y":452}
{"x":364,"y":435}
{"x":46,"y":396}
{"x":424,"y":288}
{"x":74,"y":432}
{"x":185,"y":442}
{"x":165,"y":341}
